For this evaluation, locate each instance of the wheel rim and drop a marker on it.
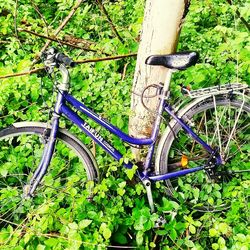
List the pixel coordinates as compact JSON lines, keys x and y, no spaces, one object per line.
{"x":66,"y":179}
{"x":196,"y":189}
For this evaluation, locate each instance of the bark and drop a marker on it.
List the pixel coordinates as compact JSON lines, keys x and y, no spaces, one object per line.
{"x":160,"y":32}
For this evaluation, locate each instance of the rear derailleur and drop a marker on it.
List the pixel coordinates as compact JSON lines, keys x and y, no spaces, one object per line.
{"x":212,"y":165}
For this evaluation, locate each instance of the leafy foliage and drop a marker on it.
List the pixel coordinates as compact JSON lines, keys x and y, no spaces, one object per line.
{"x":119,"y":213}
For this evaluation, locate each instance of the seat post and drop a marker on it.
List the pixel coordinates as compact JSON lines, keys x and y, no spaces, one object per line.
{"x":167,"y":80}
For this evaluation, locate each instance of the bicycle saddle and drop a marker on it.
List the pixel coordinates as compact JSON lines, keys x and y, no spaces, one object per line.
{"x":178,"y":60}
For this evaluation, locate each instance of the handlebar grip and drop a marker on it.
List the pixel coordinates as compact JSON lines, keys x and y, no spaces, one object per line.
{"x":64,"y":59}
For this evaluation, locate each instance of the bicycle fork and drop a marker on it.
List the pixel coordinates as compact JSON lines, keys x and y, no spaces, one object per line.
{"x":48,"y":151}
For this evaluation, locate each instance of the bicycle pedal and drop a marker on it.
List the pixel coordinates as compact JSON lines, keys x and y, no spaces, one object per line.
{"x":160,"y":222}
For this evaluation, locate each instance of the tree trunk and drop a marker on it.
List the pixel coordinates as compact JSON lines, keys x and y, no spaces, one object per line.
{"x":160,"y":32}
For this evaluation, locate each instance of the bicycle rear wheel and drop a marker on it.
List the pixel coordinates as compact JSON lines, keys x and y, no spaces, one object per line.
{"x":223,"y":122}
{"x":72,"y":169}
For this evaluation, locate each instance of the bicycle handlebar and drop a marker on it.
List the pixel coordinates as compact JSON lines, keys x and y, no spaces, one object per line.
{"x":61,"y":58}
{"x":51,"y":56}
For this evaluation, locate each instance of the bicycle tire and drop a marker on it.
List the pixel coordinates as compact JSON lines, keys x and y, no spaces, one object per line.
{"x":72,"y":169}
{"x":196,"y":189}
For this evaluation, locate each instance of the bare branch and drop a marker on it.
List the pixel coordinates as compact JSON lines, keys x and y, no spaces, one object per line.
{"x":22,"y":73}
{"x":77,"y":40}
{"x":41,"y":15}
{"x":78,"y":62}
{"x":124,"y":71}
{"x":15,"y":24}
{"x":106,"y":58}
{"x":65,"y":21}
{"x":243,"y":20}
{"x":4,"y":42}
{"x":103,"y":9}
{"x":15,"y":19}
{"x":55,"y":39}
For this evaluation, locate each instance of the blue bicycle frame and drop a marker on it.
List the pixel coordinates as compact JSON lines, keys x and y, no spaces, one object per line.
{"x":62,"y":107}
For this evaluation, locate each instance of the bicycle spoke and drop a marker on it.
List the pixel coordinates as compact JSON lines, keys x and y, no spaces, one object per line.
{"x":221,"y":124}
{"x":234,"y":127}
{"x":218,"y":122}
{"x":20,"y":155}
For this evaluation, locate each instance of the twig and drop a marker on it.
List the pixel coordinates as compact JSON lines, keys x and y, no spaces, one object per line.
{"x":65,"y":21}
{"x":41,"y":15}
{"x":78,"y":62}
{"x":15,"y":24}
{"x":15,"y":19}
{"x":4,"y":42}
{"x":240,"y":17}
{"x":93,"y":149}
{"x":103,"y":9}
{"x":106,"y":58}
{"x":124,"y":71}
{"x":22,"y":73}
{"x":77,"y":40}
{"x":155,"y":238}
{"x":56,"y":40}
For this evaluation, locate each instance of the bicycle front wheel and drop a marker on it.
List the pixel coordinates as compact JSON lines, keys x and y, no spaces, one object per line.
{"x":223,"y":122}
{"x":71,"y":170}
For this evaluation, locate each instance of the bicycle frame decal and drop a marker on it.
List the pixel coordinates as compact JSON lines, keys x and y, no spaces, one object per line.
{"x":114,"y":130}
{"x":92,"y":133}
{"x":88,"y":130}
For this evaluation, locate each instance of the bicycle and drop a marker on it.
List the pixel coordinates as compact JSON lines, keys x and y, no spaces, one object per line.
{"x":202,"y":144}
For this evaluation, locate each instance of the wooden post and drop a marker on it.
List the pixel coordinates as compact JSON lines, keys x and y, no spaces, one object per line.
{"x":160,"y":32}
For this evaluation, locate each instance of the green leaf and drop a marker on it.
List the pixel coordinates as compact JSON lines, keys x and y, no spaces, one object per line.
{"x":189,"y":243}
{"x":75,"y":239}
{"x":40,"y":247}
{"x":106,"y":233}
{"x":221,"y":242}
{"x":4,"y":235}
{"x":120,"y":238}
{"x":73,"y":192}
{"x":43,"y":209}
{"x":131,"y":172}
{"x":4,"y":172}
{"x":173,"y":234}
{"x":192,"y":229}
{"x":73,"y":226}
{"x":51,"y":242}
{"x":215,"y":246}
{"x":152,"y":244}
{"x":121,"y":191}
{"x":140,"y":223}
{"x":196,"y":193}
{"x":223,"y":227}
{"x":139,"y":238}
{"x":84,"y":223}
{"x":213,"y":232}
{"x":119,"y":121}
{"x":241,"y":237}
